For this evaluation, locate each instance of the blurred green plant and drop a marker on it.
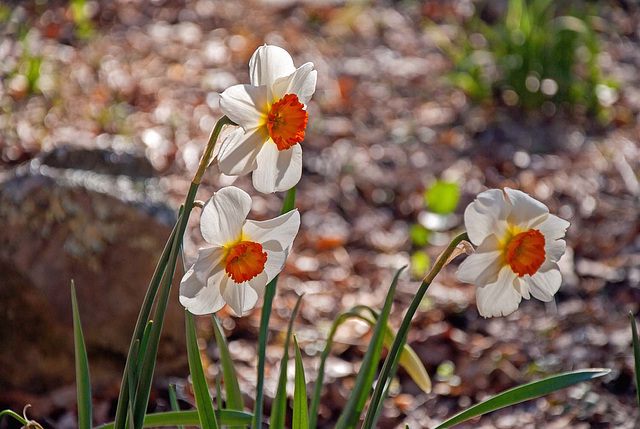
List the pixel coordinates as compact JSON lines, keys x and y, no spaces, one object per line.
{"x":81,"y":16}
{"x":5,"y":14}
{"x":24,"y":78}
{"x":420,"y":262}
{"x":441,"y":198}
{"x":532,"y":58}
{"x":419,"y":235}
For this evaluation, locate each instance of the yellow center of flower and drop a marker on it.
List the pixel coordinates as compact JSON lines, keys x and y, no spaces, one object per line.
{"x":525,"y":253}
{"x":245,"y":260}
{"x":287,"y":121}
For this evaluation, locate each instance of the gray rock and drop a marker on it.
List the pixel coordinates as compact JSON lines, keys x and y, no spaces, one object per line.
{"x":106,"y":231}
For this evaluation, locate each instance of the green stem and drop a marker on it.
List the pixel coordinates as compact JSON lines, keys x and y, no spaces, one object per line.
{"x":288,"y":204}
{"x":390,"y":363}
{"x":211,"y":144}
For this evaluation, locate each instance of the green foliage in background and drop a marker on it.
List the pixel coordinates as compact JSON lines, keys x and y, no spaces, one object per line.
{"x":530,"y":56}
{"x":442,"y":197}
{"x":81,"y":19}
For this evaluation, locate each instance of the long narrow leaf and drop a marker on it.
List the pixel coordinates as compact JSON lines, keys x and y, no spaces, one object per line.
{"x":189,"y":418}
{"x":131,"y":376}
{"x":390,"y":363}
{"x":317,"y":390}
{"x":83,"y":380}
{"x":234,"y":395}
{"x":143,"y":388}
{"x":204,"y":404}
{"x":165,"y":270}
{"x":409,"y":360}
{"x":125,"y":398}
{"x":636,"y":355}
{"x":524,"y":393}
{"x":173,"y":398}
{"x":288,"y":204}
{"x":279,"y":408}
{"x":355,"y":404}
{"x":144,"y":343}
{"x":300,"y":410}
{"x":218,"y":392}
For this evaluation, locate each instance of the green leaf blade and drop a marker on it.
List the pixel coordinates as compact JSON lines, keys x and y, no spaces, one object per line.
{"x":232,"y":388}
{"x":300,"y":407}
{"x":83,"y":379}
{"x":173,"y":398}
{"x":392,"y":360}
{"x":525,"y":392}
{"x":189,"y":418}
{"x":279,"y":408}
{"x":288,"y":204}
{"x":356,"y":402}
{"x":206,"y":413}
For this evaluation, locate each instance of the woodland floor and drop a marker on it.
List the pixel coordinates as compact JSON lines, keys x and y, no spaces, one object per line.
{"x":384,"y":124}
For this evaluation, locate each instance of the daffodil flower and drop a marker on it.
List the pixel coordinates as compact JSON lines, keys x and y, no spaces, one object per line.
{"x":243,"y":257}
{"x":519,"y":245}
{"x":273,"y":118}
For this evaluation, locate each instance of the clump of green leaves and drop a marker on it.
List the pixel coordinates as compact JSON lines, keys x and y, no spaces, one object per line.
{"x":533,"y":58}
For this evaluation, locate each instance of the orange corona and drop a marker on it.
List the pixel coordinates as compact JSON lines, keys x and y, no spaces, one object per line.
{"x":245,"y":260}
{"x":525,"y":252}
{"x":287,"y":121}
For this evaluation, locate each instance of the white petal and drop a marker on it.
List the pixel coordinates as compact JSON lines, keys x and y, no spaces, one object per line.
{"x":500,"y":298}
{"x":223,"y":215}
{"x":554,"y":250}
{"x":482,"y":266}
{"x":278,"y":170}
{"x":553,"y":227}
{"x":198,"y":298}
{"x":269,"y":63}
{"x":209,"y":259}
{"x":246,"y":105}
{"x":275,"y":262}
{"x":302,"y":83}
{"x":275,"y":234}
{"x":522,"y":287}
{"x":239,"y":151}
{"x":525,"y":211}
{"x":546,"y":282}
{"x":486,"y":215}
{"x":240,"y":296}
{"x":258,"y":283}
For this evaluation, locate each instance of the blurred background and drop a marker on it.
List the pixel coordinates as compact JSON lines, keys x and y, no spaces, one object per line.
{"x":105,"y":108}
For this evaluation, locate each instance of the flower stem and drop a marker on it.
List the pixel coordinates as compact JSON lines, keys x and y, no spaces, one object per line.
{"x":164,"y":268}
{"x":205,"y":160}
{"x":288,"y":204}
{"x":390,"y":363}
